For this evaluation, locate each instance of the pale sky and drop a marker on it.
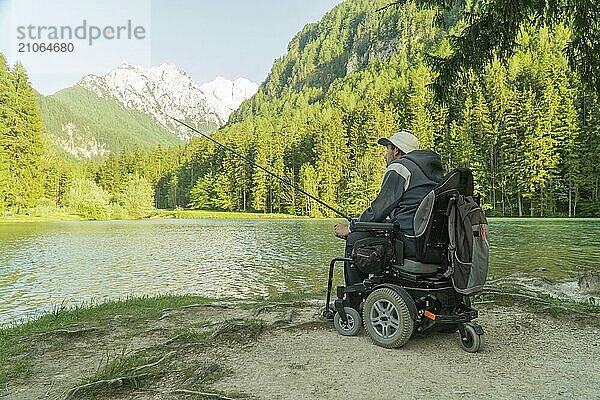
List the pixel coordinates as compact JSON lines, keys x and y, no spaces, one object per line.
{"x":229,"y":38}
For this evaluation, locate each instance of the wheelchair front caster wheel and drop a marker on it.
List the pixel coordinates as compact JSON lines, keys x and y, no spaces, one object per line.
{"x":353,"y":324}
{"x":471,"y":337}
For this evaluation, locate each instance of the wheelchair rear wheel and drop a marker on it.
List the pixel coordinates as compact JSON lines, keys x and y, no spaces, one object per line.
{"x":387,"y":319}
{"x":353,"y":324}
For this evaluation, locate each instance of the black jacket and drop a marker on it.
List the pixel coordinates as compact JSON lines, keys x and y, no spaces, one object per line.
{"x":406,"y":182}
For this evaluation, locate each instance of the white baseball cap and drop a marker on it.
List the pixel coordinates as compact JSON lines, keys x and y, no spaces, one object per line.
{"x":405,"y":141}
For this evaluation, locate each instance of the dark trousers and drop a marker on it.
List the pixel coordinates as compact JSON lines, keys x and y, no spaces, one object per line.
{"x":353,"y":275}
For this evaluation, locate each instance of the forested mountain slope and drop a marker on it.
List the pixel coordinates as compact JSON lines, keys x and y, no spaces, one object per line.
{"x":524,"y":125}
{"x":86,"y":126}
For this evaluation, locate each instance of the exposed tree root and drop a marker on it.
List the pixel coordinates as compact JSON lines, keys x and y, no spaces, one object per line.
{"x":570,"y":310}
{"x":207,"y":367}
{"x":68,"y":331}
{"x":154,"y":364}
{"x":118,"y":382}
{"x":193,"y":344}
{"x":515,"y":295}
{"x":164,"y":315}
{"x":268,"y":307}
{"x":286,"y":320}
{"x":174,"y":338}
{"x":188,"y":392}
{"x":196,"y":305}
{"x":220,"y":305}
{"x":104,"y":385}
{"x":193,"y":392}
{"x":240,"y":328}
{"x":224,"y":328}
{"x":546,"y":304}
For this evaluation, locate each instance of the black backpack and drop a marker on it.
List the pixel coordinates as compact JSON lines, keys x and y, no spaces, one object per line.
{"x":469,"y":238}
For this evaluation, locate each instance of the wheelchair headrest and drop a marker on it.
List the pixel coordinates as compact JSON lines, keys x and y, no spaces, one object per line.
{"x":460,"y":181}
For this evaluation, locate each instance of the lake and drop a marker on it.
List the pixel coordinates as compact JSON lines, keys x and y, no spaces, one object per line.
{"x":44,"y":265}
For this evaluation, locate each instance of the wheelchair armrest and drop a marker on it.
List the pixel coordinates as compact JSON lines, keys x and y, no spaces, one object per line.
{"x":374,"y":226}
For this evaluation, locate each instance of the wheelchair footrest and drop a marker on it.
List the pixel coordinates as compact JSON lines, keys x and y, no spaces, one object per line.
{"x":339,"y":308}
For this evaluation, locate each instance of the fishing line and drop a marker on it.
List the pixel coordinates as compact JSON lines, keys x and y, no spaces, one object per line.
{"x":268,"y":172}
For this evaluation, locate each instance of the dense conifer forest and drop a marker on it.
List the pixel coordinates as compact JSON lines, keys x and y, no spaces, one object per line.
{"x":527,"y":125}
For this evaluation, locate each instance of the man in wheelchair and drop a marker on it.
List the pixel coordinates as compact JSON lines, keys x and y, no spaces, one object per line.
{"x":411,"y":174}
{"x":396,"y":254}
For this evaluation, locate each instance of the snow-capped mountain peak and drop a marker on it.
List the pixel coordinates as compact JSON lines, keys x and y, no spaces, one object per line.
{"x":167,"y":91}
{"x":227,"y":95}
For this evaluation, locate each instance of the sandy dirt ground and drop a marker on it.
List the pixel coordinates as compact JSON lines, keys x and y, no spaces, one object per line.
{"x":525,"y":357}
{"x":298,"y":355}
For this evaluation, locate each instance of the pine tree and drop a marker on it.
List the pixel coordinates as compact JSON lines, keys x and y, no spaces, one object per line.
{"x":589,"y":204}
{"x":110,"y":174}
{"x":25,"y":143}
{"x":420,"y":97}
{"x":519,"y":117}
{"x":331,"y":163}
{"x":542,"y":155}
{"x":262,"y":181}
{"x":7,"y":120}
{"x":308,"y":183}
{"x":484,"y":143}
{"x":497,"y":95}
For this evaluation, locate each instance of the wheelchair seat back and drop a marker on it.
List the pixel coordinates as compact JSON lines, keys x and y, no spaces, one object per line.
{"x":431,"y":218}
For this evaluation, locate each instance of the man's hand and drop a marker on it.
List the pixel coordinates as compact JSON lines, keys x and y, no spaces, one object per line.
{"x":341,"y":230}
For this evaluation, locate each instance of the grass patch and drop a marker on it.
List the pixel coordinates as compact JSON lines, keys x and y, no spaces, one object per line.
{"x":119,"y":366}
{"x":35,"y":215}
{"x":189,"y":336}
{"x":121,"y":373}
{"x":50,"y":217}
{"x":14,"y":362}
{"x":285,"y":298}
{"x":137,"y":308}
{"x":16,"y":342}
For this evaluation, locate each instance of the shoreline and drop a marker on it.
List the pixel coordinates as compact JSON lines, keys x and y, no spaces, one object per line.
{"x":195,"y":344}
{"x":203,"y":214}
{"x":155,"y":214}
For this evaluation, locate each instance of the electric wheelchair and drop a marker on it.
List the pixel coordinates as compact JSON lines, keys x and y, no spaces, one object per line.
{"x":402,"y":296}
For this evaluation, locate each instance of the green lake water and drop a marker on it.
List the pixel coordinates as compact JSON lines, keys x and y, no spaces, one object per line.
{"x":47,"y":264}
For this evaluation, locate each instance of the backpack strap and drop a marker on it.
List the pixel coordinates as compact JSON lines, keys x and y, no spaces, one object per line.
{"x":451,"y":213}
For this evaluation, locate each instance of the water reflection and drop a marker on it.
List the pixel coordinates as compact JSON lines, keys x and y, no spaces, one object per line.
{"x":50,"y":263}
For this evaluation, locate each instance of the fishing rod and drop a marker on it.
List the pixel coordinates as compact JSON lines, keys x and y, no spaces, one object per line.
{"x":268,"y":172}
